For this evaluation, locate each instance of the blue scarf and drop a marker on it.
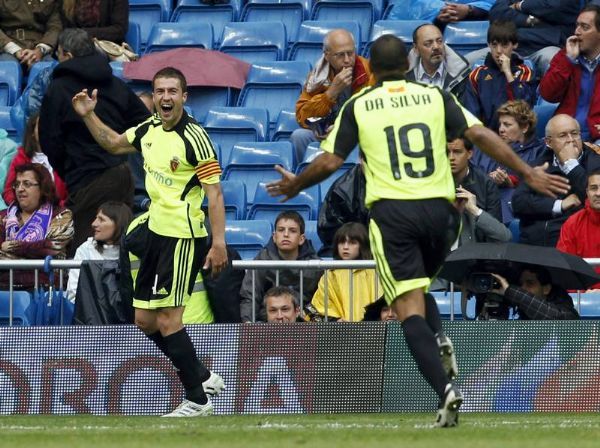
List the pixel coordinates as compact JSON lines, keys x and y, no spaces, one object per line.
{"x":36,"y":227}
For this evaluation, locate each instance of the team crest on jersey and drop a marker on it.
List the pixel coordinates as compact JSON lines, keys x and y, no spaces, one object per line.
{"x":174,"y":164}
{"x":396,"y":90}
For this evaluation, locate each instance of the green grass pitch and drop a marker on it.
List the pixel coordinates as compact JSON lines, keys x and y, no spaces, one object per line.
{"x":332,"y":430}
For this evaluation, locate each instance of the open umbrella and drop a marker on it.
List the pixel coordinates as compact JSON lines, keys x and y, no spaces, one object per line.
{"x":200,"y":67}
{"x":568,"y":271}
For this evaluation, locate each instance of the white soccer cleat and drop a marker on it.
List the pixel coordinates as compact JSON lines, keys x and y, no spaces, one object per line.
{"x":447,"y":356}
{"x":214,"y":385}
{"x":448,"y":412}
{"x":188,"y":408}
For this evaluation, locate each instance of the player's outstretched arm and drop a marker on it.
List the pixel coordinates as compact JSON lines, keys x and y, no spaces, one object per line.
{"x":106,"y":137}
{"x":216,"y":259}
{"x":537,"y":178}
{"x":290,"y":185}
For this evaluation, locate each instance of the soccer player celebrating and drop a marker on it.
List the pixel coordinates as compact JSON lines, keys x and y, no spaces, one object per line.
{"x":402,"y":128}
{"x":181,"y":166}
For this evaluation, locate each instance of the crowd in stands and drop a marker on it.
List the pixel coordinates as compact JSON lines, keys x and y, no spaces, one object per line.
{"x":66,"y":197}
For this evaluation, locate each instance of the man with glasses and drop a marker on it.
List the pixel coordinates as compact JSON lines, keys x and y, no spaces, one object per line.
{"x":542,"y":217}
{"x":338,"y":74}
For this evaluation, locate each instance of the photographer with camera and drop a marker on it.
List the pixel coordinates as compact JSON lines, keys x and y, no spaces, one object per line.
{"x":536,"y":298}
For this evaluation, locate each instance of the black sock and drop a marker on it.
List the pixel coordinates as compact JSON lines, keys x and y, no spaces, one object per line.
{"x":432,"y":315}
{"x":424,"y":349}
{"x":158,"y":339}
{"x":190,"y":369}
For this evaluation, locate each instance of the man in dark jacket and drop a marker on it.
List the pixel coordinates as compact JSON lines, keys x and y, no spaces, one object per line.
{"x":92,"y":175}
{"x":541,"y":217}
{"x":287,"y":243}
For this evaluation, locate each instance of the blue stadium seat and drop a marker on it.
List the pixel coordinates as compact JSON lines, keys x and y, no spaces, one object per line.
{"x":326,"y":184}
{"x":229,"y":125}
{"x":399,"y":28}
{"x":248,"y":237}
{"x":202,"y":99}
{"x":260,"y":155}
{"x":146,"y":13}
{"x":21,"y":312}
{"x":589,"y":305}
{"x":11,"y":78}
{"x":169,"y":35}
{"x":275,"y":86}
{"x":266,"y":207}
{"x":313,"y":150}
{"x":310,"y":232}
{"x":255,"y":42}
{"x":543,"y":112}
{"x":134,"y":37}
{"x":36,"y":68}
{"x":515,"y":229}
{"x":289,"y":12}
{"x":285,"y":125}
{"x":234,"y":199}
{"x":7,"y":125}
{"x":362,"y":11}
{"x":309,"y":45}
{"x":217,"y":15}
{"x":443,"y":300}
{"x":467,"y":36}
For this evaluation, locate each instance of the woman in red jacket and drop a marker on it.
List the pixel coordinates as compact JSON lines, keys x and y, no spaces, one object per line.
{"x":31,"y":152}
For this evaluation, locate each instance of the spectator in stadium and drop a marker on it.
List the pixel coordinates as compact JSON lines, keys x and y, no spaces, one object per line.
{"x":29,"y":30}
{"x":431,"y":61}
{"x":380,"y":311}
{"x":580,"y":234}
{"x":536,"y":298}
{"x":8,"y":151}
{"x":517,"y":128}
{"x":30,"y":152}
{"x":573,"y":78}
{"x":338,"y":74}
{"x":34,"y":226}
{"x":344,"y":202}
{"x":102,"y":19}
{"x":441,"y":12}
{"x":110,"y":224}
{"x":282,"y":305}
{"x":542,"y":217}
{"x":502,"y":77}
{"x":351,"y":242}
{"x":93,"y":176}
{"x":542,"y":27}
{"x":288,"y":242}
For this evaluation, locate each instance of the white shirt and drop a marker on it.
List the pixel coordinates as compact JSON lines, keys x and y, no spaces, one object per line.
{"x":437,"y":79}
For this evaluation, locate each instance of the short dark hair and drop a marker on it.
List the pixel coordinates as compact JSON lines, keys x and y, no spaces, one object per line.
{"x":30,"y":144}
{"x":120,"y":213}
{"x":596,"y":9}
{"x":389,"y":54}
{"x":276,"y":291}
{"x":594,"y":172}
{"x":503,"y":32}
{"x":171,"y":72}
{"x":44,"y":178}
{"x":540,"y":272}
{"x":353,"y":231}
{"x":77,"y":42}
{"x":292,"y":215}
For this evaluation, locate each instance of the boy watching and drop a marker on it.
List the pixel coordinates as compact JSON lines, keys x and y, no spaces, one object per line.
{"x":502,"y":77}
{"x":287,"y":243}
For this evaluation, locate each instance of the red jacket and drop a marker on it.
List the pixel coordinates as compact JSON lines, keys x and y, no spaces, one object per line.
{"x":20,"y":159}
{"x":580,"y":235}
{"x":562,"y":84}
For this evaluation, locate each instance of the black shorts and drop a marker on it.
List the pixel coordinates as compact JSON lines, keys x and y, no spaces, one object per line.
{"x":410,"y":241}
{"x":168,"y":270}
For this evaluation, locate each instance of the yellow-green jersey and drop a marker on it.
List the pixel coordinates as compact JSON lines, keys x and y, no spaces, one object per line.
{"x":402,"y":128}
{"x":176,"y":161}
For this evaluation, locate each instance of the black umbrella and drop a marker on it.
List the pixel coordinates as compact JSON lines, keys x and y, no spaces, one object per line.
{"x":566,"y":270}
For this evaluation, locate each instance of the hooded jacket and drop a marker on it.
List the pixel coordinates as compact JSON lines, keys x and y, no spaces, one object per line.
{"x":64,"y":137}
{"x":266,"y":278}
{"x":457,"y":71}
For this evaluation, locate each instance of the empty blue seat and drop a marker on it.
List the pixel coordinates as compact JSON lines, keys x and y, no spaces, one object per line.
{"x":310,"y":232}
{"x":444,"y":303}
{"x":289,"y":12}
{"x":275,"y":86}
{"x":260,"y":155}
{"x":134,"y":37}
{"x":217,"y":15}
{"x":248,"y":237}
{"x":11,"y":78}
{"x":255,"y":42}
{"x":168,"y":35}
{"x":202,"y":99}
{"x":306,"y":203}
{"x":361,"y":11}
{"x":589,"y":305}
{"x":313,"y":150}
{"x":229,"y":125}
{"x":146,"y":13}
{"x":7,"y":125}
{"x":285,"y":125}
{"x":22,"y":308}
{"x":309,"y":45}
{"x":399,"y":28}
{"x":515,"y":230}
{"x":234,"y":199}
{"x":467,"y":36}
{"x":543,"y":112}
